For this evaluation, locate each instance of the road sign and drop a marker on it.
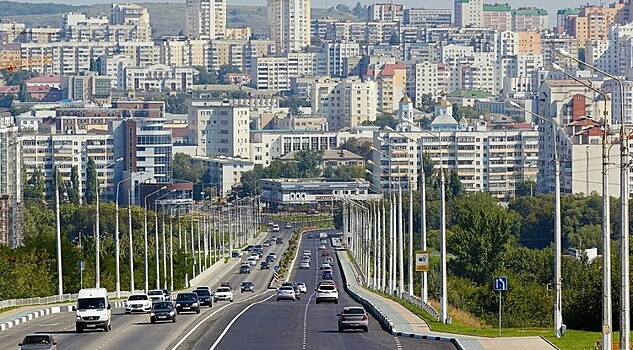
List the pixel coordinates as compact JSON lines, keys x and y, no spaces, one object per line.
{"x":500,"y":283}
{"x":421,"y":261}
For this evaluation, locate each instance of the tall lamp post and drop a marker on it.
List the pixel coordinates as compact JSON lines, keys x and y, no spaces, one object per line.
{"x":145,"y":234}
{"x":60,"y":273}
{"x":156,"y":242}
{"x":558,"y":299}
{"x":117,"y":240}
{"x":98,"y":229}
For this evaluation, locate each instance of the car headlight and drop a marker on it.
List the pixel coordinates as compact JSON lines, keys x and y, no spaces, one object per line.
{"x":152,"y":314}
{"x":171,"y":313}
{"x":78,"y":317}
{"x":177,"y":304}
{"x":194,"y":304}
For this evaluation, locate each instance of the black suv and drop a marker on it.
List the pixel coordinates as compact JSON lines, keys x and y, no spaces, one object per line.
{"x":247,"y":287}
{"x":187,"y":302}
{"x":204,"y":297}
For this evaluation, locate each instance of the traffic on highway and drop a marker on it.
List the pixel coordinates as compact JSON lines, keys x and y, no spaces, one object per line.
{"x":309,"y":311}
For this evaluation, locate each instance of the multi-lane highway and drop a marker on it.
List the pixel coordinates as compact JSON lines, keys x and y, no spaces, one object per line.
{"x":253,"y":321}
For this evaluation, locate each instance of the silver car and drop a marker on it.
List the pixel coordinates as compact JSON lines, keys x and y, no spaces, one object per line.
{"x":353,"y":317}
{"x":38,"y":342}
{"x":286,"y":293}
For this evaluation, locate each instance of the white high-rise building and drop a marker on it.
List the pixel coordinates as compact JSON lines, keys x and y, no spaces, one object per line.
{"x":206,"y":19}
{"x":219,"y":129}
{"x":10,"y":181}
{"x":289,"y":22}
{"x":469,"y":13}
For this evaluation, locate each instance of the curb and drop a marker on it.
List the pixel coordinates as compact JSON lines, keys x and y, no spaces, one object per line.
{"x":384,"y":320}
{"x":45,"y":312}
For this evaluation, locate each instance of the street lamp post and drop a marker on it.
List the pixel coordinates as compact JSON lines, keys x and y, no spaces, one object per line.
{"x":97,"y":231}
{"x":145,"y":234}
{"x":156,"y":242}
{"x":558,"y":314}
{"x":60,"y":273}
{"x":117,"y":243}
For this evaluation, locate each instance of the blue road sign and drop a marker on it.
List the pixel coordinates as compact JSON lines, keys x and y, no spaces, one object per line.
{"x":500,"y":283}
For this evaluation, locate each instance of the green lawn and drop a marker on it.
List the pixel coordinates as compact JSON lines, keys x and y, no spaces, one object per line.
{"x":464,"y":323}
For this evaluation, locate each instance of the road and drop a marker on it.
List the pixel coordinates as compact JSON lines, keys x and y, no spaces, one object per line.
{"x":135,"y":331}
{"x":302,"y":324}
{"x":253,"y":321}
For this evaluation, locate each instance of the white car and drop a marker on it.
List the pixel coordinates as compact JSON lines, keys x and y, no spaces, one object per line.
{"x":302,"y":287}
{"x":156,"y":295}
{"x":286,"y":293}
{"x":275,"y":228}
{"x":325,"y":265}
{"x":252,"y":261}
{"x":326,"y":292}
{"x":307,"y":252}
{"x":223,"y":293}
{"x":322,"y":247}
{"x":139,"y":302}
{"x":305,"y":264}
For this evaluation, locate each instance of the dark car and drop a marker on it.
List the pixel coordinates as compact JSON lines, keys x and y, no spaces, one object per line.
{"x":247,"y":287}
{"x":270,"y":258}
{"x":187,"y":302}
{"x":38,"y":341}
{"x":162,"y":311}
{"x":204,"y":297}
{"x":265,"y":265}
{"x":279,"y":240}
{"x":235,"y":255}
{"x":327,"y":276}
{"x":245,"y":268}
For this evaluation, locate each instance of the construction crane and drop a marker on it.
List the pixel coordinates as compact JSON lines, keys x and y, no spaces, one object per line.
{"x":12,"y":65}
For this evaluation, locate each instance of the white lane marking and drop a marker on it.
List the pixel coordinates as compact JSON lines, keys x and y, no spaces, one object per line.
{"x":235,"y":319}
{"x":305,"y":313}
{"x":211,"y":315}
{"x":49,"y":324}
{"x":398,"y":344}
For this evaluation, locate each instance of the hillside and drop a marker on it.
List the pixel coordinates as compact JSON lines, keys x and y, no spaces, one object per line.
{"x":164,"y":20}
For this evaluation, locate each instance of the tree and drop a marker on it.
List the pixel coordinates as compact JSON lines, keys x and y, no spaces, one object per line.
{"x":454,"y":184}
{"x":525,"y":188}
{"x":176,"y":104}
{"x":345,"y":172}
{"x":343,"y":8}
{"x":360,"y":11}
{"x":186,"y":168}
{"x":23,"y":95}
{"x":480,"y":238}
{"x":7,"y":101}
{"x":204,"y":77}
{"x":360,"y":147}
{"x":226,"y":69}
{"x":384,"y":119}
{"x":72,"y":188}
{"x":294,"y":103}
{"x":460,"y":112}
{"x":91,"y":182}
{"x":428,"y":104}
{"x":35,"y":185}
{"x":309,"y":162}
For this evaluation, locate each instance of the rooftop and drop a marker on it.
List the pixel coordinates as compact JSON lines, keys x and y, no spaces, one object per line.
{"x":469,"y":94}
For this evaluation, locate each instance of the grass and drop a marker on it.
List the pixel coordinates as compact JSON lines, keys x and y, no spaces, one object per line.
{"x":467,"y":324}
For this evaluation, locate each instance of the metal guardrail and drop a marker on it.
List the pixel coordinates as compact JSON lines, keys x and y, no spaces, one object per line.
{"x":422,"y":305}
{"x":49,"y":300}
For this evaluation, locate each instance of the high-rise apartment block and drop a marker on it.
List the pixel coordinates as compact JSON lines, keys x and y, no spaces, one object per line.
{"x":219,"y":129}
{"x":289,"y":22}
{"x":469,"y":13}
{"x":344,"y":102}
{"x":10,"y":181}
{"x":206,"y":19}
{"x":387,"y":12}
{"x":497,"y":16}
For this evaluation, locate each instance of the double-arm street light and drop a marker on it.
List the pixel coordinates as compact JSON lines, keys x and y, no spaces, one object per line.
{"x":558,"y":308}
{"x":145,"y":234}
{"x":60,"y":273}
{"x":607,"y":321}
{"x":164,"y":244}
{"x":98,"y":229}
{"x":117,"y":242}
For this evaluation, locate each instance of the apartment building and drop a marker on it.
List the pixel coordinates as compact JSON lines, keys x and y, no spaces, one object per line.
{"x":421,"y":17}
{"x":385,"y":12}
{"x":289,"y":22}
{"x":345,"y":103}
{"x":391,"y":83}
{"x":10,"y":181}
{"x":87,"y":87}
{"x":206,"y":19}
{"x":219,"y":129}
{"x":158,"y":77}
{"x":497,"y":16}
{"x":527,"y":19}
{"x":275,"y":73}
{"x":428,"y":78}
{"x":226,"y":172}
{"x":468,"y":13}
{"x":336,"y":55}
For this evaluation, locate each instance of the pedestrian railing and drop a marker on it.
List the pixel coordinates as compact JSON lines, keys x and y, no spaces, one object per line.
{"x":49,"y":300}
{"x":422,"y":305}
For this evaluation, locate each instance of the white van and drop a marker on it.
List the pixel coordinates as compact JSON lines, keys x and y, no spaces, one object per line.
{"x":93,"y":309}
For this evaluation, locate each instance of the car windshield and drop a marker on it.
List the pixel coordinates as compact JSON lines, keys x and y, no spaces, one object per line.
{"x":246,"y":284}
{"x":91,"y":303}
{"x":186,"y":297}
{"x":223,"y":289}
{"x":155,"y":292}
{"x":37,"y":339}
{"x":162,"y":305}
{"x":287,"y":288}
{"x":327,"y":287}
{"x":138,"y":297}
{"x":354,"y":311}
{"x":204,"y":293}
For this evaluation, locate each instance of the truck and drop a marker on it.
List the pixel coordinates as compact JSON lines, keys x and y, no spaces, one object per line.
{"x":93,"y":309}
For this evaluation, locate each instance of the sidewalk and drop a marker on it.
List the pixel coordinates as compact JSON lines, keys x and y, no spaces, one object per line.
{"x":402,"y":322}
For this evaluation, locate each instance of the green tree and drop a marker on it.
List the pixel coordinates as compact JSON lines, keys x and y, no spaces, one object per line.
{"x":481,"y":237}
{"x":384,"y":119}
{"x":186,"y":168}
{"x":343,"y":8}
{"x":74,"y":193}
{"x":23,"y":95}
{"x":204,"y":77}
{"x":428,"y":104}
{"x":362,"y":147}
{"x":226,"y":69}
{"x":35,"y":187}
{"x":345,"y":172}
{"x":309,"y":162}
{"x":454,"y":184}
{"x":91,"y":182}
{"x":525,"y":188}
{"x":176,"y":104}
{"x":7,"y":101}
{"x":294,"y":103}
